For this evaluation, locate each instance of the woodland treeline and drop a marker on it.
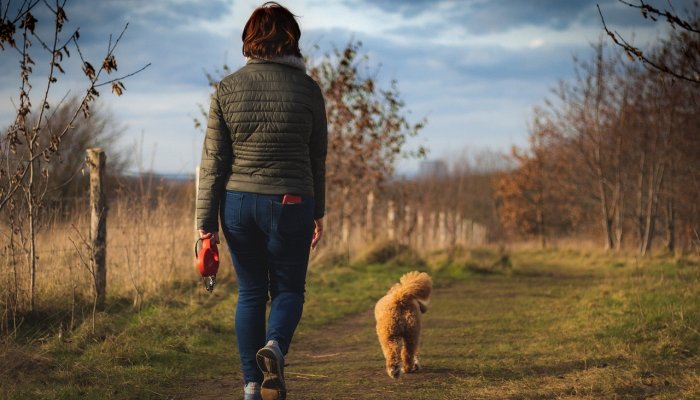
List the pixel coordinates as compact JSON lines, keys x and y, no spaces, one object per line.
{"x":615,"y":153}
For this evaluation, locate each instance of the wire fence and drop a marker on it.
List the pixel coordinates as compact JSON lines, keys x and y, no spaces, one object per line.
{"x":430,"y":230}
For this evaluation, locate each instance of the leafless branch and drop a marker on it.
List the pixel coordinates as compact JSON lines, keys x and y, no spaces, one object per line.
{"x":123,"y":77}
{"x":648,"y":11}
{"x":634,"y":52}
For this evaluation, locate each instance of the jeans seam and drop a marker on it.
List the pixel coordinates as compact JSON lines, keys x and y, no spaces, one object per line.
{"x":255,"y":208}
{"x":238,"y":211}
{"x":272,"y":216}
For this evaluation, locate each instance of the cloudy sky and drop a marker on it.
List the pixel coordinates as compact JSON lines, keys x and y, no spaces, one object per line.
{"x":473,"y":68}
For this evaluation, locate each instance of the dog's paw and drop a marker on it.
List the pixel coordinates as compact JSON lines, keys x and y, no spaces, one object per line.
{"x":394,"y":372}
{"x":413,"y":368}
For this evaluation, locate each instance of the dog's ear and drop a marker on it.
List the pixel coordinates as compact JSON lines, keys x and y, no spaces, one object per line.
{"x":423,"y":307}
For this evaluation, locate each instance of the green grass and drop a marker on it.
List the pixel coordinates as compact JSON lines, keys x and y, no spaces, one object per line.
{"x":131,"y":354}
{"x":551,"y":324}
{"x":555,"y":325}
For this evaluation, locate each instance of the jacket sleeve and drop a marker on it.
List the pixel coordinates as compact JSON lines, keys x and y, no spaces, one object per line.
{"x":318,"y":148}
{"x":214,"y":169}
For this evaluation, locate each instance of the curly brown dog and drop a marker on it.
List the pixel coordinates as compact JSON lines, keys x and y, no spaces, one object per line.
{"x":398,"y":316}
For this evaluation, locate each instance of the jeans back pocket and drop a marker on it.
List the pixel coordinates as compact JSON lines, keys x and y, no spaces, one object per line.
{"x":231,"y":209}
{"x":292,"y":219}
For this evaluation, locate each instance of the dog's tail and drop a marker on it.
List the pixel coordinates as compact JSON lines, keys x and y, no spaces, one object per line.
{"x":414,"y":285}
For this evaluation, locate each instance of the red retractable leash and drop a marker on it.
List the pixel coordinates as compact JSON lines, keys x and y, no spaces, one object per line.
{"x":207,"y":262}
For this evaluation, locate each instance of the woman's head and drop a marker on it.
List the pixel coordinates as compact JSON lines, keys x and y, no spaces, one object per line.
{"x":271,"y":31}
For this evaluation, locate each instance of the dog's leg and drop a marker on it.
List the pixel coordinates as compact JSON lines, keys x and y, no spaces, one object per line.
{"x":391,"y":348}
{"x":409,"y":353}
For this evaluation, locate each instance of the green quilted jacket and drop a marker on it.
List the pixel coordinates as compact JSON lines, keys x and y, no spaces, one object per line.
{"x":267,"y":134}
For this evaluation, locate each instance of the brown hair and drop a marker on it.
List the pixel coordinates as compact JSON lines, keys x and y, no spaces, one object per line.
{"x":271,"y":31}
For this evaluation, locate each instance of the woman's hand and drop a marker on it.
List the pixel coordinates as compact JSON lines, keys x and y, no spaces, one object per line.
{"x":206,"y":235}
{"x":318,"y":233}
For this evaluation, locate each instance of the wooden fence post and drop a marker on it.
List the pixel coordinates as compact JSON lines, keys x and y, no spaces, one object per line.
{"x":420,"y":234}
{"x":391,"y":220}
{"x":98,"y":221}
{"x":408,"y":227}
{"x":457,"y":229}
{"x":345,"y":221}
{"x":442,"y":229}
{"x":470,"y":232}
{"x":369,"y":217}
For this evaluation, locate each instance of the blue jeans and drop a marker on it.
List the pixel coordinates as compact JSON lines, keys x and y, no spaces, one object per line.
{"x":269,"y":243}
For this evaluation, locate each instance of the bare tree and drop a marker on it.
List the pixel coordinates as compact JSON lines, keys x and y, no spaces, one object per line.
{"x":368,"y":127}
{"x":32,"y":142}
{"x":588,"y":118}
{"x":534,"y":198}
{"x":626,"y":149}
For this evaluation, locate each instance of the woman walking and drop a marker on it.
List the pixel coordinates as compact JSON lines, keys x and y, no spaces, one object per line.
{"x":263,"y":173}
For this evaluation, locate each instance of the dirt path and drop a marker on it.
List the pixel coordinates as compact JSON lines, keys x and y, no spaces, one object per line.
{"x":488,"y":337}
{"x":345,"y":360}
{"x":342,"y":361}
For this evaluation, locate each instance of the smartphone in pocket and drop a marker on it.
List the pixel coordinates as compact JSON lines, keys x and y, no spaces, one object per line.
{"x":291,"y":199}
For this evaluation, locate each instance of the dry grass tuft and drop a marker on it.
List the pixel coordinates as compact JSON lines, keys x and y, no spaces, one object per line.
{"x":387,"y":252}
{"x":150,"y":241}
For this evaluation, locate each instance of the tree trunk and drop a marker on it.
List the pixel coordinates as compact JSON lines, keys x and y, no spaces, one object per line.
{"x":640,"y":200}
{"x":670,"y":225}
{"x":540,"y":228}
{"x":619,"y":223}
{"x":600,"y":97}
{"x":619,"y":192}
{"x":655,"y":180}
{"x":605,"y":210}
{"x":32,"y":234}
{"x":670,"y":209}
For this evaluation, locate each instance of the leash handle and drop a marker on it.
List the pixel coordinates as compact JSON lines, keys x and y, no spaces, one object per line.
{"x":196,"y":254}
{"x":210,"y":261}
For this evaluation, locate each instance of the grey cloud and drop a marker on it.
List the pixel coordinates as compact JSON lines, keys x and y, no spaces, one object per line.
{"x":452,"y":85}
{"x":488,"y":16}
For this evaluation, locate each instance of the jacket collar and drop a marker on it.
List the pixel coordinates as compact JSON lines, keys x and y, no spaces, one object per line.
{"x":292,"y":61}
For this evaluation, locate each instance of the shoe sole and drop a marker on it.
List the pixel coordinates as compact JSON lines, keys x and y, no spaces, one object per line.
{"x":272,"y":387}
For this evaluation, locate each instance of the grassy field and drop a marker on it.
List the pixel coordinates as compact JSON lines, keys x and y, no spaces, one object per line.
{"x":538,"y":325}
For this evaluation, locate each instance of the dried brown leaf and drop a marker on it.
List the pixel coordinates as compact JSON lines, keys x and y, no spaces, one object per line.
{"x":109,"y":64}
{"x":89,"y":70}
